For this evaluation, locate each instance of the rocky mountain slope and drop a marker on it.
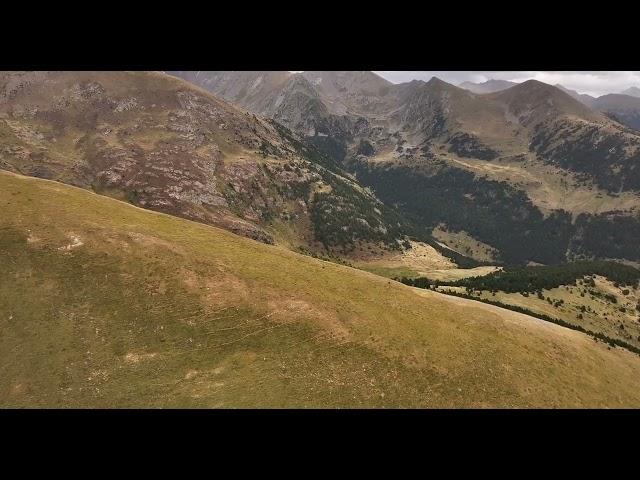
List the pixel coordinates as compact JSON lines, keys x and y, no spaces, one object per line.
{"x":408,"y":115}
{"x":569,"y":134}
{"x":366,"y":165}
{"x":163,"y":144}
{"x":116,"y":306}
{"x":522,"y":161}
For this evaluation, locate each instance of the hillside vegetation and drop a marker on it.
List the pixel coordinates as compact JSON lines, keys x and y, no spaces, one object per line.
{"x":598,"y":297}
{"x":103,"y":304}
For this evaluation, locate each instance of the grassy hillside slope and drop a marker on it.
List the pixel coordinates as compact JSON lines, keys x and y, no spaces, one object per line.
{"x":103,"y":304}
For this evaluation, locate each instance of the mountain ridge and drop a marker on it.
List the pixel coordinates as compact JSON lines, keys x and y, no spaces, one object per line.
{"x":325,"y":185}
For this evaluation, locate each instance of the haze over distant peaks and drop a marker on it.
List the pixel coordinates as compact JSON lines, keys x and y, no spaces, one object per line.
{"x":623,"y":108}
{"x":490,"y":86}
{"x":633,"y":91}
{"x":581,"y":97}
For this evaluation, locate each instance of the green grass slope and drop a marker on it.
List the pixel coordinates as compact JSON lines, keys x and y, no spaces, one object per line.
{"x":103,"y":304}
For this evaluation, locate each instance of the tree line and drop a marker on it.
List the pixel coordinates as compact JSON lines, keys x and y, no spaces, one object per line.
{"x":613,"y":342}
{"x":536,"y":278}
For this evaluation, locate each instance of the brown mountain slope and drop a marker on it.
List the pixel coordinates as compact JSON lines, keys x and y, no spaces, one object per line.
{"x":357,"y":93}
{"x":439,"y":110}
{"x":301,"y":102}
{"x":444,"y":155}
{"x":368,"y":95}
{"x":352,"y":107}
{"x":557,"y":179}
{"x":252,"y":90}
{"x":531,"y":120}
{"x":532,"y":102}
{"x":164,"y":144}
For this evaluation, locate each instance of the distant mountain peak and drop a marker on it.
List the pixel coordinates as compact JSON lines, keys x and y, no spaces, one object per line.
{"x":534,"y":83}
{"x":537,"y":88}
{"x":438,"y":83}
{"x":535,"y":101}
{"x":632,"y":91}
{"x":588,"y":100}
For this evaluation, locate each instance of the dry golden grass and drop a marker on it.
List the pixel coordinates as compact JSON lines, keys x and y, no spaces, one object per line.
{"x":454,"y":274}
{"x":420,"y":259}
{"x":465,"y":244}
{"x":145,"y":309}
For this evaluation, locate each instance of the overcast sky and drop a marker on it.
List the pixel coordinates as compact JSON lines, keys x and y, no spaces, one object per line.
{"x":592,"y":83}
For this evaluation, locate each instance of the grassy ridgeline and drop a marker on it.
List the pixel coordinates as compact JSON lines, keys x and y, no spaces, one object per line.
{"x":106,"y":305}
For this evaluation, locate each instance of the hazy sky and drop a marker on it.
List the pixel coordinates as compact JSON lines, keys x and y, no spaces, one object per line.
{"x":592,"y":83}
